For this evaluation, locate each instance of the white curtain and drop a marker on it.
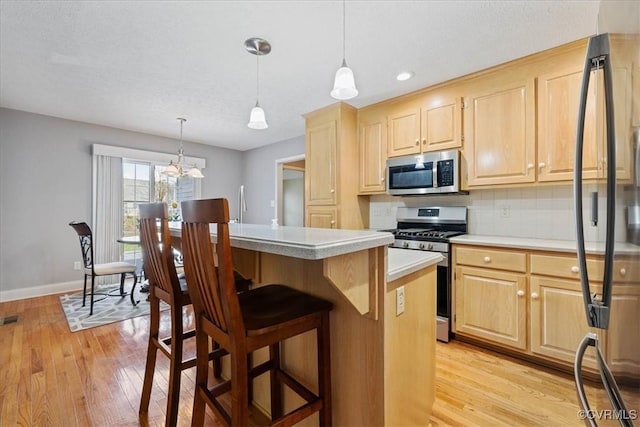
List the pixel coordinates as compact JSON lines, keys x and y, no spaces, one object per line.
{"x":107,"y":227}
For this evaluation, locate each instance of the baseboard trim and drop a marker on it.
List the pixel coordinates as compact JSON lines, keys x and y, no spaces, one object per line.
{"x":39,"y":291}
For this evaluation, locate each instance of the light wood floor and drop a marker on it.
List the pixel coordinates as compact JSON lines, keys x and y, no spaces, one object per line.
{"x":52,"y":377}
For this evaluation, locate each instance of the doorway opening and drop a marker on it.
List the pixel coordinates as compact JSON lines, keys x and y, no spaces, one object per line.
{"x":290,"y":191}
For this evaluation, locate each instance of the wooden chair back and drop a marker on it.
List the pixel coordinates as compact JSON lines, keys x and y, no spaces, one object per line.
{"x":157,"y":251}
{"x":213,"y":293}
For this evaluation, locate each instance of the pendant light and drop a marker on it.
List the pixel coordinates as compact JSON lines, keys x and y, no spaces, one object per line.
{"x":179,"y":169}
{"x":258,"y":47}
{"x":344,"y":85}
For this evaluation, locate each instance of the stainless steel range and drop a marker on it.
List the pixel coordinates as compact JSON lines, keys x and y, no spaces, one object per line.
{"x":429,"y":229}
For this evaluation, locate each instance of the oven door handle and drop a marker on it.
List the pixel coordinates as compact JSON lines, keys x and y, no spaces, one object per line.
{"x":445,"y":260}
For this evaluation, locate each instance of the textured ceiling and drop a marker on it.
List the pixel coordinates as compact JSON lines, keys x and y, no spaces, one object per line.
{"x":138,"y":65}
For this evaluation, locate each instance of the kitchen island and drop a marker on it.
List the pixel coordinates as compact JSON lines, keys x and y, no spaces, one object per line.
{"x":382,"y":369}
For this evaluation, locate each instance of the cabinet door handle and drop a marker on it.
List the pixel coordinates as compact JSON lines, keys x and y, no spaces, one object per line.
{"x":520,"y":293}
{"x":333,"y":191}
{"x":534,"y":295}
{"x":382,"y":179}
{"x":487,"y":259}
{"x":575,"y":269}
{"x":417,"y":141}
{"x":424,"y":141}
{"x":623,"y":271}
{"x":530,"y":166}
{"x":333,"y":222}
{"x":541,"y":165}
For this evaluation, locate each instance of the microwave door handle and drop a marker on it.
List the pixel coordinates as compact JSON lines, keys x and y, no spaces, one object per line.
{"x":434,"y":174}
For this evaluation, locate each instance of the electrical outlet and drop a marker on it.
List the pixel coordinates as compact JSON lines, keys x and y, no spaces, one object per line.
{"x":505,"y":211}
{"x":272,"y":203}
{"x":77,"y":265}
{"x":399,"y":300}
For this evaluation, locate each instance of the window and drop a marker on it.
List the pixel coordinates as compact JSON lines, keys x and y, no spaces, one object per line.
{"x":122,"y":179}
{"x":145,"y":182}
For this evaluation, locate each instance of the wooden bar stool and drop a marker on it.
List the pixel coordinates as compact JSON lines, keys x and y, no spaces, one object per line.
{"x":165,"y":284}
{"x":244,"y":322}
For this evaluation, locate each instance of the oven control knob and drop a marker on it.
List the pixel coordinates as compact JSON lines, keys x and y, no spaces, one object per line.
{"x":421,"y":246}
{"x":405,"y":245}
{"x":430,"y":247}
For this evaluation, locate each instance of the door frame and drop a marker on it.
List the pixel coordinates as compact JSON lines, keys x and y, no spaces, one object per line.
{"x":277,"y":209}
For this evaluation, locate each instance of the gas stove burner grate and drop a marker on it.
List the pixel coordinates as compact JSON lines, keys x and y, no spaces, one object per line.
{"x":425,"y":234}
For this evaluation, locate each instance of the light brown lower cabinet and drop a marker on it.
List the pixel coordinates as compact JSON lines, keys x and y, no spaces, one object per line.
{"x":531,"y":302}
{"x":623,"y":341}
{"x":490,"y":305}
{"x":558,"y":320}
{"x":322,"y":217}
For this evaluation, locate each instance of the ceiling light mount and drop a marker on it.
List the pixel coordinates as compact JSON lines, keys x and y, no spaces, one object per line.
{"x":259,"y":47}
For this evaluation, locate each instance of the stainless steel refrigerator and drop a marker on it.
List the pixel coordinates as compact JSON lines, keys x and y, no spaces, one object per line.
{"x":607,"y":215}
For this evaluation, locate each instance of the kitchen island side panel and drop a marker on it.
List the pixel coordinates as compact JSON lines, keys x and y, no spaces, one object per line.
{"x":382,"y":370}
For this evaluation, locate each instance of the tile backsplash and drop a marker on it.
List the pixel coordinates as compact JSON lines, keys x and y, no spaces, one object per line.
{"x":544,"y":212}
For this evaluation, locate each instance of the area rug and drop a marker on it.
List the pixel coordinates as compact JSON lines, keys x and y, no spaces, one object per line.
{"x":108,"y":310}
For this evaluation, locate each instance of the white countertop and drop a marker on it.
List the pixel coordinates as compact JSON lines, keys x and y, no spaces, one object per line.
{"x":401,"y":262}
{"x":621,"y":248}
{"x":299,"y":242}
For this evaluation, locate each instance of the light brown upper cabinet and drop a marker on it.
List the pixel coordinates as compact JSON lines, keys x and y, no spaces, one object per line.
{"x":331,"y":175}
{"x":403,"y":125}
{"x":441,"y":119}
{"x":321,"y":163}
{"x":499,"y":123}
{"x":372,"y":142}
{"x":558,"y":99}
{"x":429,"y":122}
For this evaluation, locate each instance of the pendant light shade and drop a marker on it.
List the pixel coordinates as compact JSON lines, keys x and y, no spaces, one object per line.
{"x":257,"y":46}
{"x":344,"y":84}
{"x":179,"y":168}
{"x":257,"y":119}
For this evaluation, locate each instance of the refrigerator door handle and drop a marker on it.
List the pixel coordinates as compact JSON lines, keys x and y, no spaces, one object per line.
{"x":621,"y":413}
{"x":598,"y":56}
{"x":586,"y":412}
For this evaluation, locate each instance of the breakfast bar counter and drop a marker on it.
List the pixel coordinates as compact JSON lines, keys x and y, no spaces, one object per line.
{"x":382,"y":355}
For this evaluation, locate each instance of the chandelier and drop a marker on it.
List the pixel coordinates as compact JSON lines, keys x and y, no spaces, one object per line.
{"x":180,"y":169}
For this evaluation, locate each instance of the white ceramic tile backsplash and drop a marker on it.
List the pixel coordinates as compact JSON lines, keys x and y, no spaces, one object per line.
{"x":544,"y":212}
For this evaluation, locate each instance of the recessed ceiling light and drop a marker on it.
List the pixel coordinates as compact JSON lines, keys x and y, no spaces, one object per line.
{"x":405,"y":75}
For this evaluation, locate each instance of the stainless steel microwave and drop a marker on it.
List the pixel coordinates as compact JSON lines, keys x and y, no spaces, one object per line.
{"x":435,"y":172}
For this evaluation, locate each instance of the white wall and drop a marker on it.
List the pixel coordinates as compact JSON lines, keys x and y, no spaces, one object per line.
{"x":293,"y":198}
{"x":544,"y":212}
{"x":45,"y":182}
{"x":259,"y":178}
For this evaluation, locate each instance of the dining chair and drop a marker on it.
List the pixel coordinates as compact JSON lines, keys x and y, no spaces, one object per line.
{"x":244,"y":322}
{"x":165,"y":284}
{"x":94,"y":270}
